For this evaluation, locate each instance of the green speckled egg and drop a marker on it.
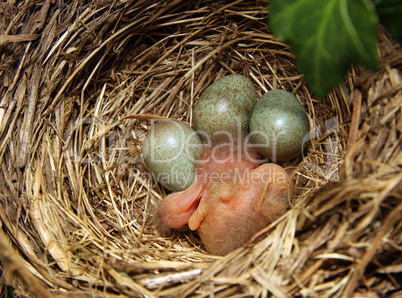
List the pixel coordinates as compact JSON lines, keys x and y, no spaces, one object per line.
{"x":279,"y":126}
{"x":170,"y":150}
{"x":225,"y":106}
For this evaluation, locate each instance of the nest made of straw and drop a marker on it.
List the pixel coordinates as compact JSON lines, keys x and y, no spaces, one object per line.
{"x":81,"y":81}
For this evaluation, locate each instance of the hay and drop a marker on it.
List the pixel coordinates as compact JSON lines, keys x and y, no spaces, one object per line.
{"x":81,"y":82}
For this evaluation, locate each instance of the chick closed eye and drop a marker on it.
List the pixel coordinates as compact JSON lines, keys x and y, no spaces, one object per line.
{"x":226,"y":191}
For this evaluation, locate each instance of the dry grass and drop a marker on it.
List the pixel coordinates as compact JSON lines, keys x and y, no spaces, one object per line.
{"x":81,"y":83}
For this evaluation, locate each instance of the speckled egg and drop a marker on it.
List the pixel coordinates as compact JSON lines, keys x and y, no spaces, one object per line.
{"x":279,"y":126}
{"x":170,"y":150}
{"x":225,"y":107}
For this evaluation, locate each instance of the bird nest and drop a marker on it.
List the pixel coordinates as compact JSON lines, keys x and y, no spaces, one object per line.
{"x":81,"y":83}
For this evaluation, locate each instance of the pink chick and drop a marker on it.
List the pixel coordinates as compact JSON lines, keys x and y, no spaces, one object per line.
{"x":232,"y":197}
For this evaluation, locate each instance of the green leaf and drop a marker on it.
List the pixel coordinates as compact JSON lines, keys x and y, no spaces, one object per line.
{"x":390,"y":14}
{"x":326,"y":36}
